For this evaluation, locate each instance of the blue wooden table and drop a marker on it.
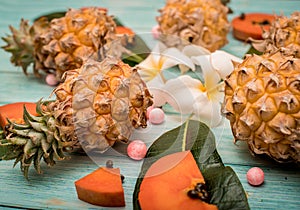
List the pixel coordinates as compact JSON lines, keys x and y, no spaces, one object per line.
{"x":55,"y":189}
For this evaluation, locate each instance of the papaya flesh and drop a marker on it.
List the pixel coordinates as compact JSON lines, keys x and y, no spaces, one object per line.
{"x":121,"y":30}
{"x":102,"y":187}
{"x":167,"y":182}
{"x":251,"y":25}
{"x":14,"y":112}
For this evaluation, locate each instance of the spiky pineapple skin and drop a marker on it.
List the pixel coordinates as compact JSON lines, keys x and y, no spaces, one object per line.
{"x":284,"y":35}
{"x":72,"y":39}
{"x":95,"y":106}
{"x":109,"y":100}
{"x":201,"y":22}
{"x":262,"y":103}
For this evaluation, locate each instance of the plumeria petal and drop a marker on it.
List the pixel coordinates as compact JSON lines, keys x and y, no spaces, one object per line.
{"x":210,"y":75}
{"x":216,"y":94}
{"x":207,"y":111}
{"x":148,"y":74}
{"x":151,"y":66}
{"x":156,"y":82}
{"x":194,"y":50}
{"x":158,"y":49}
{"x":162,"y":58}
{"x":222,"y":62}
{"x":181,"y":93}
{"x":147,"y":69}
{"x":175,"y":57}
{"x":156,"y":88}
{"x":191,"y":51}
{"x":154,"y":58}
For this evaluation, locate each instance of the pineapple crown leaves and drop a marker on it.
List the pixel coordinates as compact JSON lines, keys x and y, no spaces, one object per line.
{"x":20,"y":45}
{"x":30,"y":142}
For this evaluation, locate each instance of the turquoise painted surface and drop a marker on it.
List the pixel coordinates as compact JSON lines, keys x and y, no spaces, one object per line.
{"x":55,"y":189}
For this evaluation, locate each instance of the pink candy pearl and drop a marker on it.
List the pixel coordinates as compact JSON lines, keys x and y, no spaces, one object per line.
{"x":155,"y":32}
{"x":255,"y":176}
{"x":156,"y":116}
{"x":149,"y":109}
{"x":51,"y":80}
{"x":137,"y":150}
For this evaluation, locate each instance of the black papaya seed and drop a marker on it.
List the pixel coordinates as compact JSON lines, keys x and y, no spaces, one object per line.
{"x":193,"y":194}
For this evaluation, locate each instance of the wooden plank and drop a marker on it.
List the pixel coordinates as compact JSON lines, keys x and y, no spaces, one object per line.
{"x":55,"y":187}
{"x":18,"y":87}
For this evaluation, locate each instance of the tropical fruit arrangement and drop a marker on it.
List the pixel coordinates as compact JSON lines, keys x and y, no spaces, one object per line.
{"x":194,"y":160}
{"x":101,"y":99}
{"x":96,"y":105}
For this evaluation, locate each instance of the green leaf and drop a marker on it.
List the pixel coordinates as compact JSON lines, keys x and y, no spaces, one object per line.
{"x":252,"y":50}
{"x":52,"y":15}
{"x":225,"y":188}
{"x":8,"y":151}
{"x":139,"y":49}
{"x":223,"y":184}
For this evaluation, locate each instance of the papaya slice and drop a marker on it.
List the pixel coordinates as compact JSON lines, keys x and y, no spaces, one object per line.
{"x":121,"y":30}
{"x":168,"y":184}
{"x":102,"y":187}
{"x":251,"y":25}
{"x":14,"y":112}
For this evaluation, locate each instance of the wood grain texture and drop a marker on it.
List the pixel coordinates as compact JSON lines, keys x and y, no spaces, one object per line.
{"x":55,"y":188}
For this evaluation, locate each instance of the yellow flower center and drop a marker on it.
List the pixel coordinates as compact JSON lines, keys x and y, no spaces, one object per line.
{"x":202,"y":88}
{"x":213,"y":93}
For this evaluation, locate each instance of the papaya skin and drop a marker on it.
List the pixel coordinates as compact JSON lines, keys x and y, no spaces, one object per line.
{"x":167,"y":181}
{"x":14,"y":112}
{"x":102,"y":187}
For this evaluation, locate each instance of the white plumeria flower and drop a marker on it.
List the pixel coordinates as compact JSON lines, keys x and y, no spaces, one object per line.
{"x":190,"y":96}
{"x":161,"y":58}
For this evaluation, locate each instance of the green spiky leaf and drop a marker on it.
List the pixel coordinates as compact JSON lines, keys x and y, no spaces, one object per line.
{"x":28,"y":143}
{"x":20,"y":45}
